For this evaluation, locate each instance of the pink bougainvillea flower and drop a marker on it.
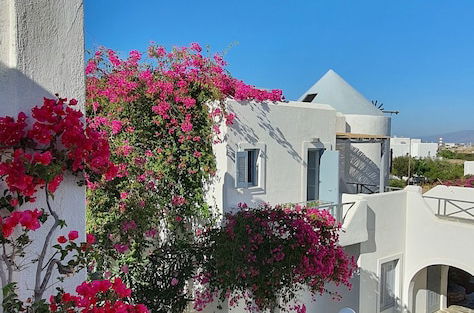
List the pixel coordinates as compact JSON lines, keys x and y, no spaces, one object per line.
{"x":124,"y":269}
{"x":121,"y":248}
{"x":90,"y":239}
{"x":73,"y":235}
{"x":62,"y":239}
{"x":151,"y":233}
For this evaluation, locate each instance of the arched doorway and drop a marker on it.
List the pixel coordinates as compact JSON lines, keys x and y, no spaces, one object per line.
{"x":437,"y":287}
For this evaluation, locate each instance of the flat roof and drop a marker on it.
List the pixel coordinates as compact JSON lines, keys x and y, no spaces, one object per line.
{"x":359,"y":136}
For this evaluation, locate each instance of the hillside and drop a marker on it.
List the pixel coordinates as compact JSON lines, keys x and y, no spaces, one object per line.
{"x":462,"y":136}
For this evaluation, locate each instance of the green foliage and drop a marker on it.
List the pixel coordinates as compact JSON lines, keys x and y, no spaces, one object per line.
{"x":397,"y":183}
{"x":11,"y":303}
{"x":160,"y":284}
{"x":448,"y":154}
{"x":432,"y":169}
{"x":400,"y":166}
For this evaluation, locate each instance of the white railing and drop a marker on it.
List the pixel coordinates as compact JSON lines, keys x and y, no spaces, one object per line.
{"x":370,"y":188}
{"x":335,"y":209}
{"x":446,"y":207}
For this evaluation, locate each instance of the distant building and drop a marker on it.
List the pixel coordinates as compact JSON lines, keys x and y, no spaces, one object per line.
{"x":468,"y":168}
{"x":412,"y":147}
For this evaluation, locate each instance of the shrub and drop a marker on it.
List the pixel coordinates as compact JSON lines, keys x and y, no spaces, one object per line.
{"x":265,"y":254}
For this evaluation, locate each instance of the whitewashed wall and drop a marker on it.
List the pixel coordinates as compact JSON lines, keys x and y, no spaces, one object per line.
{"x":424,"y":149}
{"x":413,"y":147}
{"x":400,"y":146}
{"x":283,"y":129}
{"x":469,"y":168}
{"x":402,"y":225}
{"x":42,"y":53}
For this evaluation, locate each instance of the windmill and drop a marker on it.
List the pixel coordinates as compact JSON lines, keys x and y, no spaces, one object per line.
{"x":379,"y":105}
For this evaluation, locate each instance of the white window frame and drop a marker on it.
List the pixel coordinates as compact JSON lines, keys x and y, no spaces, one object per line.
{"x":260,"y":164}
{"x":397,"y":292}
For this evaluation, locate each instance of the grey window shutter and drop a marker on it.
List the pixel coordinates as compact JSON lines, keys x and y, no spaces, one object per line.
{"x":241,"y":169}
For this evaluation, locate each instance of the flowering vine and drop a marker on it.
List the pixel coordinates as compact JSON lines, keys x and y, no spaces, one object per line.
{"x":162,"y":111}
{"x":37,"y":151}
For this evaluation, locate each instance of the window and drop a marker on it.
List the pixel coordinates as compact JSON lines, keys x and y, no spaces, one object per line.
{"x":312,"y":175}
{"x":247,"y":168}
{"x":310,"y":97}
{"x":388,"y":278}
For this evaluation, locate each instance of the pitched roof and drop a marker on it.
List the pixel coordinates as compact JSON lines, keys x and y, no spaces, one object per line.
{"x":333,"y":90}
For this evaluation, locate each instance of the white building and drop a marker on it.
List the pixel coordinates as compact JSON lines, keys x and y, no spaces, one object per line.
{"x":402,"y":146}
{"x":407,"y":245}
{"x":468,"y":168}
{"x":362,"y":134}
{"x":331,"y":142}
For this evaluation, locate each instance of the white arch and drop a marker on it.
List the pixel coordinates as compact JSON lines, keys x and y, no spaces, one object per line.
{"x":448,"y":263}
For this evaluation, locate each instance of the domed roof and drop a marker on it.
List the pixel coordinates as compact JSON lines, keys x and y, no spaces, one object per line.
{"x":333,"y":90}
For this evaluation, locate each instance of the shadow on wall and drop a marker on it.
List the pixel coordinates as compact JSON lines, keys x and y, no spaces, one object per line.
{"x":261,"y":112}
{"x":370,"y":292}
{"x":361,"y":170}
{"x":247,"y":196}
{"x":18,"y":92}
{"x":369,"y":281}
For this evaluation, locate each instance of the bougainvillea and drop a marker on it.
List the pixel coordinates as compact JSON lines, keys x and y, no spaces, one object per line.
{"x":264,"y":256}
{"x":37,"y":152}
{"x":467,"y":181}
{"x":99,"y":296}
{"x":162,"y":111}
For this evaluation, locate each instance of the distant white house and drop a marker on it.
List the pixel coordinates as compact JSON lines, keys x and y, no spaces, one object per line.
{"x":468,"y":168}
{"x":402,"y":146}
{"x":333,"y":145}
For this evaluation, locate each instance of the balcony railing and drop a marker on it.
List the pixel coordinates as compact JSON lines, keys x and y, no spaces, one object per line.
{"x":452,"y":208}
{"x":335,"y":209}
{"x":370,"y":188}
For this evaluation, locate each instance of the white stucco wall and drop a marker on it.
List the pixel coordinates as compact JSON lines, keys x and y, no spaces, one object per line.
{"x":283,"y":130}
{"x":424,"y":149}
{"x":42,"y":53}
{"x":400,"y":146}
{"x":402,"y":225}
{"x":469,"y":168}
{"x":414,"y":147}
{"x":440,"y":241}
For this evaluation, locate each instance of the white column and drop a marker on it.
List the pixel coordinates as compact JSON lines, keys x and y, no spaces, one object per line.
{"x":444,"y":287}
{"x":382,"y":167}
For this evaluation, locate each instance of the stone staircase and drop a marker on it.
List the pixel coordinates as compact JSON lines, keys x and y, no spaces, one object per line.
{"x":456,"y":309}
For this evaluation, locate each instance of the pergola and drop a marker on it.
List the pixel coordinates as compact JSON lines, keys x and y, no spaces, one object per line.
{"x":365,"y":138}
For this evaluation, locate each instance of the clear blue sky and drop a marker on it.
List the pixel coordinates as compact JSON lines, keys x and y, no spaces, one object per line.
{"x":416,"y":56}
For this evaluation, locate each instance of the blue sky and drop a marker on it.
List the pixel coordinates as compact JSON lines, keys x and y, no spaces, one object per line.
{"x":416,"y":56}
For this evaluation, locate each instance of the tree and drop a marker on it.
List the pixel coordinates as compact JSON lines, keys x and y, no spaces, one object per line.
{"x":400,"y":166}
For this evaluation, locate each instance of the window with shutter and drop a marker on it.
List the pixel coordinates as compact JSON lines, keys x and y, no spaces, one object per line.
{"x":247,"y":168}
